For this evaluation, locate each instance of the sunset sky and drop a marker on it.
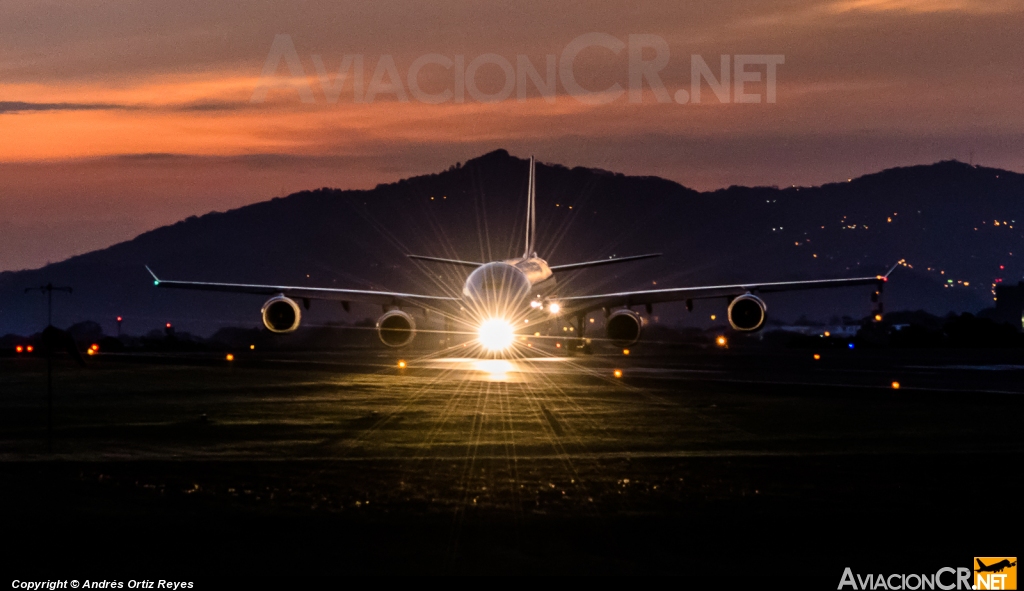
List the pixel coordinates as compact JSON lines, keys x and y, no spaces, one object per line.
{"x":117,"y":117}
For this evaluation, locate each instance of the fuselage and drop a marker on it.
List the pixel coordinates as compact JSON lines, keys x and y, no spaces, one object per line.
{"x":502,"y":288}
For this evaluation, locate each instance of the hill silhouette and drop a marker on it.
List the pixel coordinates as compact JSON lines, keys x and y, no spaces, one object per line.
{"x":954,"y":224}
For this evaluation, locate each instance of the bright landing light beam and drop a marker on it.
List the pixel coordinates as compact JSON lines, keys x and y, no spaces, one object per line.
{"x":496,"y":334}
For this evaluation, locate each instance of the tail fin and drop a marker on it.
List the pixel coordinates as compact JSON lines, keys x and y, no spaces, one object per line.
{"x":574,"y":266}
{"x":420,"y":257}
{"x":981,"y":564}
{"x":531,"y":213}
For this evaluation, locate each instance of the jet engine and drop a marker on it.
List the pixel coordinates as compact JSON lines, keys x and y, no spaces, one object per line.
{"x":623,"y":327}
{"x":281,"y":314}
{"x":396,"y":328}
{"x":747,"y":313}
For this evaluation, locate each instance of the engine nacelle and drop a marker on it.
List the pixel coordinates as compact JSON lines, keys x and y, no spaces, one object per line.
{"x":281,"y":314}
{"x":747,"y":313}
{"x":396,"y":328}
{"x":623,"y":327}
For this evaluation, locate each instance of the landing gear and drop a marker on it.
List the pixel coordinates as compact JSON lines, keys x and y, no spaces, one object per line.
{"x":579,"y":344}
{"x":446,"y":342}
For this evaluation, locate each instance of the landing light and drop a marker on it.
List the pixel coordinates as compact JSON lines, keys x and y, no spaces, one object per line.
{"x":496,"y":334}
{"x":554,"y":308}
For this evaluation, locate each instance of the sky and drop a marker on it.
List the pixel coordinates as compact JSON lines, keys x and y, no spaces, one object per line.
{"x":117,"y":116}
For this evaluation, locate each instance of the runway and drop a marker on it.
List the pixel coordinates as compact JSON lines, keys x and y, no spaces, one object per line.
{"x":528,"y":465}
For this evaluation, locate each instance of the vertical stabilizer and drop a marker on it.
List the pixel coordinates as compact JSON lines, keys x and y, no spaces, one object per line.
{"x":531,"y":213}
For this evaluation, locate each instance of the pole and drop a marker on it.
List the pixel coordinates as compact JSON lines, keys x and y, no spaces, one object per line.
{"x":49,"y":288}
{"x":49,"y":399}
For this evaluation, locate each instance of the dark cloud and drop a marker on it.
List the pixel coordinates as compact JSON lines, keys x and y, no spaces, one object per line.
{"x":21,"y":107}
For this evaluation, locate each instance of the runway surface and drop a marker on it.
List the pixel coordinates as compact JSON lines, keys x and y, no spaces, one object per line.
{"x":692,"y":462}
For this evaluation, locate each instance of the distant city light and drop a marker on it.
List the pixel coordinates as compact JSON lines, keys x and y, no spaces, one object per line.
{"x":850,"y":346}
{"x":19,"y":349}
{"x":401,"y":364}
{"x":29,"y":349}
{"x":617,"y":373}
{"x":895,"y":385}
{"x":230,"y":357}
{"x":721,"y":341}
{"x":625,"y":351}
{"x":817,"y":356}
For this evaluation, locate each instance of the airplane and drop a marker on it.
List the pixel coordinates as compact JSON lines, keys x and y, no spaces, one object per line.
{"x":499,"y":299}
{"x":994,"y":568}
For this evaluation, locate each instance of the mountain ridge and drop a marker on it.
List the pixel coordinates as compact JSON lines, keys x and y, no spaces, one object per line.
{"x":358,"y":239}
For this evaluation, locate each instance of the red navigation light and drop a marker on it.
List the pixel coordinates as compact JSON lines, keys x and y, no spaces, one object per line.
{"x":119,"y":319}
{"x":168,"y":325}
{"x":19,"y":349}
{"x":29,"y":349}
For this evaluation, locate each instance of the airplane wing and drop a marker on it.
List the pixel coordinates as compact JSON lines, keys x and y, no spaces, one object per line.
{"x":384,"y":298}
{"x":580,"y":304}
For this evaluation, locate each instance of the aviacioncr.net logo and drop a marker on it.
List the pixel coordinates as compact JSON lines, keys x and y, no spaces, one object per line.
{"x":945,"y":579}
{"x":995,"y":572}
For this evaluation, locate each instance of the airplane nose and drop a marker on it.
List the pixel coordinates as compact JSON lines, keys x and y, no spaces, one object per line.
{"x":497,"y":287}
